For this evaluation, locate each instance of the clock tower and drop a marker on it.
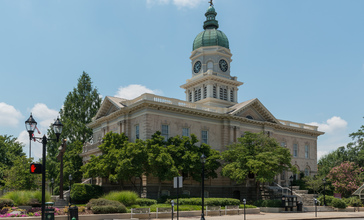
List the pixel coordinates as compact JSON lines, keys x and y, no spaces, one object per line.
{"x":211,"y":82}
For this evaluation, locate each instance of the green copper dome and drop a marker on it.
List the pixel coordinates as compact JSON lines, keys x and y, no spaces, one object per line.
{"x":211,"y":36}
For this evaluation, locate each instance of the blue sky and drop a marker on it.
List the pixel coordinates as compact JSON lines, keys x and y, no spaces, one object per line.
{"x":304,"y":60}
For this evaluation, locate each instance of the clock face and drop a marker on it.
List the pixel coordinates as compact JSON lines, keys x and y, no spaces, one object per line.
{"x":197,"y":67}
{"x":223,"y":65}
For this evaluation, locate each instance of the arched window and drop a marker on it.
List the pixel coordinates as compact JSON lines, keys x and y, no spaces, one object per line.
{"x":307,"y":171}
{"x":210,"y":65}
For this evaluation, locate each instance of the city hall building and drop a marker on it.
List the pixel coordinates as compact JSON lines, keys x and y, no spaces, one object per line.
{"x":211,"y":111}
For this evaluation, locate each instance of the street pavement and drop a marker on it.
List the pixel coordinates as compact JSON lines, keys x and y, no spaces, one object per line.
{"x":283,"y":216}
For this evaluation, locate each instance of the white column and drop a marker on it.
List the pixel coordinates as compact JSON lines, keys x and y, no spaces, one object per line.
{"x":193,"y":95}
{"x":209,"y":90}
{"x":236,"y":95}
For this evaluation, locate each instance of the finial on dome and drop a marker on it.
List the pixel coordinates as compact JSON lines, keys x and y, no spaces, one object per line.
{"x":211,"y":4}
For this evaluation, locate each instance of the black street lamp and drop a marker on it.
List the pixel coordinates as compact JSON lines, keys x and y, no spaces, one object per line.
{"x":57,"y":127}
{"x":203,"y":161}
{"x":30,"y":125}
{"x":291,"y":179}
{"x":324,"y":181}
{"x":70,"y":179}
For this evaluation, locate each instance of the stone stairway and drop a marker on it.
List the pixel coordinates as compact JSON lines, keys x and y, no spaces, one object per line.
{"x":304,"y":197}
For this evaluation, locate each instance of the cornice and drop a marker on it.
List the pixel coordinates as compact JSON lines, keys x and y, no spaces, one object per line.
{"x":197,"y":112}
{"x":193,"y":82}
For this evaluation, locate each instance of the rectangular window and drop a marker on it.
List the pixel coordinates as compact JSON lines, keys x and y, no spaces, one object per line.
{"x":136,"y":131}
{"x":204,"y":137}
{"x":214,"y":92}
{"x":307,"y":151}
{"x":283,"y":144}
{"x":165,"y":132}
{"x":295,"y":150}
{"x":186,"y":132}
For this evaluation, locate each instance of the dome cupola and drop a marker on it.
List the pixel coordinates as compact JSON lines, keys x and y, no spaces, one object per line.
{"x":211,"y":36}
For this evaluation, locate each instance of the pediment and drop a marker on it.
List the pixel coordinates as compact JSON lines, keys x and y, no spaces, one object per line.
{"x":254,"y":110}
{"x":109,"y":105}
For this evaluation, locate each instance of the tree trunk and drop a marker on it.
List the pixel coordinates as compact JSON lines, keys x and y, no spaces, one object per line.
{"x":257,"y":189}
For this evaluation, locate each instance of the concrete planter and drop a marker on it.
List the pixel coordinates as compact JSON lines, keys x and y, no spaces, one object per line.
{"x":271,"y":209}
{"x":136,"y":216}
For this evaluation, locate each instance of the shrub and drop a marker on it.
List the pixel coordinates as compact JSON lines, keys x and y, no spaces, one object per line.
{"x":165,"y":198}
{"x":338,"y":203}
{"x":353,"y":201}
{"x":208,"y":201}
{"x":127,"y":198}
{"x":268,"y":203}
{"x":26,"y":197}
{"x":104,"y":206}
{"x":146,"y":202}
{"x":327,"y":198}
{"x":82,"y":193}
{"x":6,"y":203}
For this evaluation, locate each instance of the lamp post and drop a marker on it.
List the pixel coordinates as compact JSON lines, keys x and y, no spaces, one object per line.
{"x":203,"y":161}
{"x":324,"y":181}
{"x":70,"y":179}
{"x":30,"y":125}
{"x":291,"y":179}
{"x":57,"y":127}
{"x":52,"y":181}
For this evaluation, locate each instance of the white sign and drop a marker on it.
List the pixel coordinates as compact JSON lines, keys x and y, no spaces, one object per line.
{"x":178,"y":180}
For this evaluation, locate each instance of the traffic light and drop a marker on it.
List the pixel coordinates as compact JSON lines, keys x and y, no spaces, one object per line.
{"x":36,"y":168}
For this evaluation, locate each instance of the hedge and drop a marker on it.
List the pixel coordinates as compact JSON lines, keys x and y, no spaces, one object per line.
{"x":146,"y":202}
{"x":104,"y":206}
{"x":82,"y":193}
{"x":268,"y":203}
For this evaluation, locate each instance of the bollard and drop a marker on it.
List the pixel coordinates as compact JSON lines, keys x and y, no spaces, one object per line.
{"x":172,"y":203}
{"x":244,"y":202}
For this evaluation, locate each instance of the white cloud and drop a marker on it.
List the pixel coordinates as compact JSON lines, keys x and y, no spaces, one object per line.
{"x":336,"y":135}
{"x":43,"y":115}
{"x":178,"y":3}
{"x":134,"y":90}
{"x":187,"y":3}
{"x":332,"y":125}
{"x":9,"y":116}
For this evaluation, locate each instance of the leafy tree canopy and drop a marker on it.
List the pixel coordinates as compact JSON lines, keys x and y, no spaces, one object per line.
{"x":18,"y":177}
{"x":79,"y":107}
{"x":258,"y":154}
{"x":10,"y":151}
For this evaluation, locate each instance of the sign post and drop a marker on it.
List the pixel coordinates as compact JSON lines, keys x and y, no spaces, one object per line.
{"x":177,"y":183}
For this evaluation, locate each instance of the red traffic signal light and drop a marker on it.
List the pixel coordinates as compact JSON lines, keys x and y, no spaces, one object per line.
{"x":36,"y":168}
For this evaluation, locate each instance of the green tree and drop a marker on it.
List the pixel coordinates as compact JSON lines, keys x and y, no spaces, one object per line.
{"x":79,"y":107}
{"x":10,"y":151}
{"x":18,"y":177}
{"x":120,"y":160}
{"x":160,"y":161}
{"x":186,"y":155}
{"x":257,"y":154}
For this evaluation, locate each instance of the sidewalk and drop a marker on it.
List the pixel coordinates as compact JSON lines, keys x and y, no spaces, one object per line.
{"x":283,"y":216}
